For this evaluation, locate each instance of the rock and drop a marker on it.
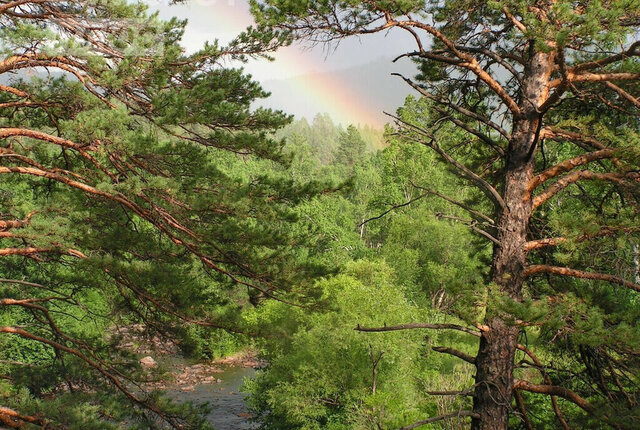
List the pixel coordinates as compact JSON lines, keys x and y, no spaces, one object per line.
{"x":219,"y":381}
{"x":148,"y":362}
{"x":188,"y":388}
{"x":245,"y":415}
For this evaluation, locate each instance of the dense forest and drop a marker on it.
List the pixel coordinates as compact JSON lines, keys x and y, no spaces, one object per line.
{"x":476,"y":264}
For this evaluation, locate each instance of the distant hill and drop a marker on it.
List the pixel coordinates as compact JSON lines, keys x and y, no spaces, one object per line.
{"x":370,"y":88}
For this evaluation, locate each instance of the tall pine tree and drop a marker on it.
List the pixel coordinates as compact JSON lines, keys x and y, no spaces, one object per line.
{"x":543,"y":97}
{"x":122,"y":202}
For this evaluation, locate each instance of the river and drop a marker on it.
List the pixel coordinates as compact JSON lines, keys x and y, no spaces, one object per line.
{"x":228,"y":408}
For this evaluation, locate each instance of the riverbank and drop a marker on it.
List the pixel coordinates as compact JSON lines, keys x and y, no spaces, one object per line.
{"x":217,"y":383}
{"x":181,"y":374}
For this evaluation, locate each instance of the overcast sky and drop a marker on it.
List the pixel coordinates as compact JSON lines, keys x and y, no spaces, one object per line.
{"x":315,"y":76}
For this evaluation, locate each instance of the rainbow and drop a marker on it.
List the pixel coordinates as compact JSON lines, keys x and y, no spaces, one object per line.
{"x":223,"y":19}
{"x":320,"y":91}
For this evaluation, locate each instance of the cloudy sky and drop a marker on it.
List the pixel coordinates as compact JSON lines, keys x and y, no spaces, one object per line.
{"x":350,"y":81}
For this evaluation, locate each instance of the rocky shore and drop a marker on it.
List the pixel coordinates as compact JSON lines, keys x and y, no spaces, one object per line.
{"x":178,"y":374}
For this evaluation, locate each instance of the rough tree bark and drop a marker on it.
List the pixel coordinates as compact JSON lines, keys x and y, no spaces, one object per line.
{"x":495,"y":359}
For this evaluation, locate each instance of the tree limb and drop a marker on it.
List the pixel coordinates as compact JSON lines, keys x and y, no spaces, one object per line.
{"x":461,"y":205}
{"x":519,"y":384}
{"x":622,"y":93}
{"x":466,"y":112}
{"x":456,"y":353}
{"x":413,"y":326}
{"x":567,"y":166}
{"x":572,"y":178}
{"x":465,"y":172}
{"x":565,"y":271}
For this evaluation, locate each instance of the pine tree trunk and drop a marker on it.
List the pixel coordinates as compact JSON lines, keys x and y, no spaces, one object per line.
{"x":495,"y":358}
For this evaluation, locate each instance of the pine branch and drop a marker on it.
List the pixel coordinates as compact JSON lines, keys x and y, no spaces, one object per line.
{"x":567,"y":166}
{"x":559,"y":134}
{"x":18,"y":223}
{"x":623,"y":179}
{"x":555,"y":390}
{"x":632,"y":51}
{"x":622,"y":93}
{"x":605,"y":231}
{"x":99,"y":367}
{"x":15,"y":420}
{"x":565,"y":271}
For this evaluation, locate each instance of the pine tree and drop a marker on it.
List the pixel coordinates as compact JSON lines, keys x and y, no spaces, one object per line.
{"x":351,"y":147}
{"x":123,"y":201}
{"x":542,"y":97}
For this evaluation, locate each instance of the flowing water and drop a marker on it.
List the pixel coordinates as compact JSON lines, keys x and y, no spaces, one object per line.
{"x":227,"y":403}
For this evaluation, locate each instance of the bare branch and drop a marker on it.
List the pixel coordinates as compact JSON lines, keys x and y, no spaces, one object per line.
{"x":414,"y":326}
{"x":461,"y":205}
{"x":465,"y":172}
{"x":483,"y":137}
{"x":472,"y":225}
{"x":592,"y":77}
{"x":391,"y":209}
{"x":466,"y":112}
{"x":522,"y":408}
{"x":565,"y":271}
{"x":547,"y":380}
{"x":461,"y":355}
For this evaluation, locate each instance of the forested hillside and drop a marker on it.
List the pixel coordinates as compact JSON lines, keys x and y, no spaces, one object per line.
{"x":475,"y":264}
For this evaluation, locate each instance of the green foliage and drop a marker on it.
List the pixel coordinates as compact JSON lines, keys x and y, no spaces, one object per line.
{"x":351,"y":147}
{"x":320,"y":374}
{"x":143,"y":188}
